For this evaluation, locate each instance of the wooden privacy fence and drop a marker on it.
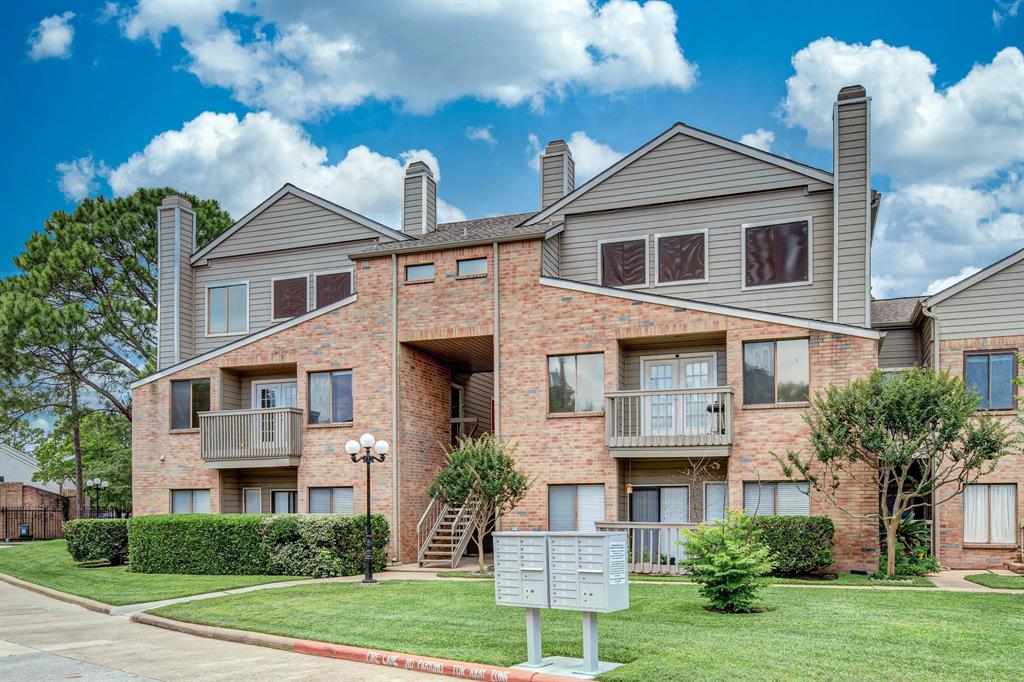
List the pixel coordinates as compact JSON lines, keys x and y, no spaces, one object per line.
{"x":43,"y":524}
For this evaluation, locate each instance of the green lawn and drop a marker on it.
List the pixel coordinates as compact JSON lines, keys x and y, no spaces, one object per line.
{"x":842,"y":579}
{"x":49,"y":564}
{"x":666,"y":635}
{"x":1000,"y":582}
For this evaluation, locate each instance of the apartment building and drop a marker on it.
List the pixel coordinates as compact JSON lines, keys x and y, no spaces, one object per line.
{"x":647,"y":340}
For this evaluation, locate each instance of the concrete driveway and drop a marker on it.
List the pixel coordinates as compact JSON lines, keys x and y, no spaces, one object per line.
{"x":45,"y":639}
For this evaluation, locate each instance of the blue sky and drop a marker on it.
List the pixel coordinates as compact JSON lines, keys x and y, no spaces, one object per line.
{"x":336,"y":98}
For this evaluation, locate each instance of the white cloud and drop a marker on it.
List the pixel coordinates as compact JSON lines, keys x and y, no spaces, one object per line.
{"x":760,"y":139}
{"x":1005,"y":9}
{"x":590,"y":156}
{"x":482,"y":134}
{"x":52,"y":37}
{"x":304,"y":59}
{"x":78,"y":178}
{"x":241,"y":162}
{"x":940,"y":284}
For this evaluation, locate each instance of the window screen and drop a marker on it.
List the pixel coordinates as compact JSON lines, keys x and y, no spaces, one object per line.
{"x":290,"y":297}
{"x":333,"y":287}
{"x":990,"y":375}
{"x":252,"y":501}
{"x":562,"y":507}
{"x":624,"y":263}
{"x":777,"y":254}
{"x":681,"y":257}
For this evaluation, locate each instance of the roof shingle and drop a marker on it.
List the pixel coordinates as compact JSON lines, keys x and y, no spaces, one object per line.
{"x":453,"y":234}
{"x":894,"y":311}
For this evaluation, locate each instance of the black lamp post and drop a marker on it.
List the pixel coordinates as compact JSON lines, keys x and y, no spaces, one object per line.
{"x":369,"y":445}
{"x":97,"y":485}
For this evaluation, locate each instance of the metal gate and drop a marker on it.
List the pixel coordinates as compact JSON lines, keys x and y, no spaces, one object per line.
{"x":43,"y":524}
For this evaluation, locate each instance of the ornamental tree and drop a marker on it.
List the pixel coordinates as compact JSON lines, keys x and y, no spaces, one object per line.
{"x":914,"y":437}
{"x":481,"y":475}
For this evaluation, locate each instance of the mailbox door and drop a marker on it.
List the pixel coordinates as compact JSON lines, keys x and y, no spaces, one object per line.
{"x":593,"y":597}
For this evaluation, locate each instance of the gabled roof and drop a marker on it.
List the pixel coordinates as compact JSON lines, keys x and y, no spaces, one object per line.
{"x":15,"y":453}
{"x":462,"y":233}
{"x":289,"y":188}
{"x":894,"y":312}
{"x":984,"y":273}
{"x":815,"y":174}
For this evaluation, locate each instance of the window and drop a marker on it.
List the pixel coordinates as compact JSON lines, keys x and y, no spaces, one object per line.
{"x":660,"y":504}
{"x":775,"y":372}
{"x":776,"y":499}
{"x":227,"y":309}
{"x":716,"y":501}
{"x":472,"y":267}
{"x":575,"y":507}
{"x":423,"y":272}
{"x":188,"y":399}
{"x":990,"y":514}
{"x":330,"y":397}
{"x":623,"y":262}
{"x":576,"y":383}
{"x":284,"y":502}
{"x":252,"y":501}
{"x":330,"y":500}
{"x":290,"y":295}
{"x":331,"y":287}
{"x":680,"y":257}
{"x":991,"y":375}
{"x":777,"y":254}
{"x":190,"y":501}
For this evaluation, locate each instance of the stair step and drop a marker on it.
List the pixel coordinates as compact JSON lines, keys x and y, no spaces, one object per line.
{"x":1016,"y":567}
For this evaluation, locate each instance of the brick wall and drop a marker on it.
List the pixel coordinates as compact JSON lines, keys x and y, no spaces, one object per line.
{"x":1010,"y":469}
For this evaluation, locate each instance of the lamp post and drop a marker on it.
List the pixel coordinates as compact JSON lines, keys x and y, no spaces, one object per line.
{"x":369,"y":444}
{"x":98,"y":485}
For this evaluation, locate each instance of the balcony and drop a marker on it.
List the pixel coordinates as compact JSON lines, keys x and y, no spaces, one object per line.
{"x":685,"y":421}
{"x":657,"y":548}
{"x":232,"y":439}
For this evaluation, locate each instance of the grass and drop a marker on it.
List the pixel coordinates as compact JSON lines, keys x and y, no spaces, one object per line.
{"x":49,"y":564}
{"x":842,"y":579}
{"x":667,"y":634}
{"x":999,"y":582}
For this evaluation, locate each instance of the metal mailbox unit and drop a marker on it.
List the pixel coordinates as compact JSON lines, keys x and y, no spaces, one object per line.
{"x":584,"y":572}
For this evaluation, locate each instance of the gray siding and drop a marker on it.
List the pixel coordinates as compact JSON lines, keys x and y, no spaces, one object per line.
{"x":549,"y":255}
{"x":632,"y":379}
{"x":993,"y":306}
{"x":230,"y":391}
{"x":723,"y":217}
{"x":927,"y":335}
{"x":478,"y":392}
{"x":176,"y":222}
{"x":232,"y":481}
{"x":557,"y":175}
{"x":853,"y":212}
{"x":657,"y":471}
{"x":901,"y":348}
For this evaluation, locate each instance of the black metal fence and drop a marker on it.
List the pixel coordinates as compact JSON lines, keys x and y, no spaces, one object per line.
{"x":43,"y":524}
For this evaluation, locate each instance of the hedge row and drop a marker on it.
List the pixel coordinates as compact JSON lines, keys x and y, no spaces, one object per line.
{"x":799,"y":545}
{"x":98,"y":540}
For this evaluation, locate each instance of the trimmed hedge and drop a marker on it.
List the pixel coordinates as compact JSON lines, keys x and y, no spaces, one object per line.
{"x":799,"y":545}
{"x":97,"y":540}
{"x":250,"y":544}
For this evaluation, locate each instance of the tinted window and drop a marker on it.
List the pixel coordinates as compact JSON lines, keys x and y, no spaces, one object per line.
{"x":290,"y":297}
{"x":181,"y":404}
{"x":759,"y":373}
{"x":576,"y":383}
{"x":200,"y":399}
{"x":681,"y":257}
{"x":991,"y":377}
{"x":775,"y":372}
{"x":624,"y":263}
{"x":333,"y":287}
{"x":777,"y":254}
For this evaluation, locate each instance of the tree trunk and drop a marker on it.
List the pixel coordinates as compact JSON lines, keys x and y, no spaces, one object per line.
{"x":891,"y":524}
{"x":481,"y":531}
{"x":76,"y":440}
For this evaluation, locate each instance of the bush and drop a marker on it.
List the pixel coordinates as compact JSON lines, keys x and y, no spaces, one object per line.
{"x":799,"y":545}
{"x":98,"y":540}
{"x":249,"y":544}
{"x":727,"y":560}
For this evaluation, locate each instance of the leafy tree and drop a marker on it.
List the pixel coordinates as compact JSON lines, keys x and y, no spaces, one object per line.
{"x":20,"y":434}
{"x":106,"y":444}
{"x":915,"y":438}
{"x":482,"y":476}
{"x":727,"y":559}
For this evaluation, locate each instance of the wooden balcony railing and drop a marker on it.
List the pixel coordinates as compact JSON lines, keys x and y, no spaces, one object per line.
{"x":671,"y":418}
{"x":653,"y":547}
{"x":238,"y":435}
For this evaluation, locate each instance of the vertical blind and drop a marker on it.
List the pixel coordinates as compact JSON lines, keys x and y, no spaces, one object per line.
{"x":575,"y":507}
{"x":330,"y":500}
{"x":776,"y":499}
{"x":715,"y":500}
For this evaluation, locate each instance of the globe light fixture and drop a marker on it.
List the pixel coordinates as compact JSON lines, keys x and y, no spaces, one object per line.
{"x":369,"y":444}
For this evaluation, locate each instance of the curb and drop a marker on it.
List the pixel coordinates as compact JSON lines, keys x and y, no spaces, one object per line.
{"x":390,"y":659}
{"x":84,"y":602}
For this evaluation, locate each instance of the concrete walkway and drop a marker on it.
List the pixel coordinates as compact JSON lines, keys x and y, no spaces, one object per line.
{"x":955,"y":580}
{"x":45,"y":639}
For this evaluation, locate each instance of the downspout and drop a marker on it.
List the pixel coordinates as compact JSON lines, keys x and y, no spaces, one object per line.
{"x":835,"y":212}
{"x":936,"y":527}
{"x":395,"y":497}
{"x":497,"y":346}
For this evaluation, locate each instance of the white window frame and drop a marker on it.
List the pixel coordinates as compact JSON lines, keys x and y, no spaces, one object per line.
{"x":575,"y":412}
{"x":576,"y":502}
{"x":777,"y":221}
{"x":707,"y":258}
{"x":273,"y":281}
{"x":352,"y":279}
{"x":191,"y":499}
{"x":258,"y":511}
{"x":988,"y":496}
{"x":311,"y":372}
{"x":659,"y":487}
{"x":284,"y":490}
{"x":331,"y":488}
{"x":647,"y":260}
{"x":704,"y":500}
{"x":775,"y":495}
{"x":206,"y":304}
{"x":254,"y":393}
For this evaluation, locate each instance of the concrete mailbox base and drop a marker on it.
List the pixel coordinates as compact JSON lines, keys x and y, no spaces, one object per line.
{"x":569,"y":667}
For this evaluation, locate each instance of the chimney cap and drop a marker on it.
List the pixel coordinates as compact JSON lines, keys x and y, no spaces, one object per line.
{"x":851,"y":92}
{"x":418,"y":167}
{"x":555,"y":146}
{"x":176,"y":200}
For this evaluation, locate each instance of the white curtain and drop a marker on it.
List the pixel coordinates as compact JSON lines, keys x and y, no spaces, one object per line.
{"x":1003,"y":506}
{"x":976,"y":513}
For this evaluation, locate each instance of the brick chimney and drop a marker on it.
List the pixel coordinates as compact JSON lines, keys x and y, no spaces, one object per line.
{"x":419,"y":200}
{"x":175,"y":241}
{"x":557,"y":172}
{"x":851,"y":168}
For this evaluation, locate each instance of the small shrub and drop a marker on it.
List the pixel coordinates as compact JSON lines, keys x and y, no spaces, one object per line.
{"x":727,"y":560}
{"x":799,"y":545}
{"x":98,"y":540}
{"x":209,"y":544}
{"x":323,"y":546}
